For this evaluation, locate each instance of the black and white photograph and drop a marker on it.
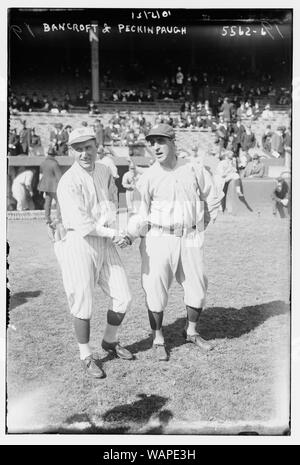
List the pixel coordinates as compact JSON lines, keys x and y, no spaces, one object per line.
{"x":149,"y":221}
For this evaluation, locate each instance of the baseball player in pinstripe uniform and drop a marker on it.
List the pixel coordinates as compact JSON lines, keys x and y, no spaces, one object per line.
{"x":87,"y":252}
{"x":171,"y":221}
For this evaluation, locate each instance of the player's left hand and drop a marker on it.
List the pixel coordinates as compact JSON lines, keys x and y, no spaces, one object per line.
{"x":121,"y":241}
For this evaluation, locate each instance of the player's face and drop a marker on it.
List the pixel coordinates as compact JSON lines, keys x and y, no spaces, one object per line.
{"x":85,"y":154}
{"x":163,"y":148}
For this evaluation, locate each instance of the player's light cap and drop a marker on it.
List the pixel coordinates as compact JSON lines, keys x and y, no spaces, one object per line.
{"x":164,"y":130}
{"x":80,"y":135}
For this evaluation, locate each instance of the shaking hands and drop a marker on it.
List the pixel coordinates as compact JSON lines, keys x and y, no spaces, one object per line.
{"x":122,"y":240}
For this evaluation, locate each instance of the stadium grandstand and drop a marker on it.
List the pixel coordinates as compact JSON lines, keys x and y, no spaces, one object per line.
{"x":123,"y":76}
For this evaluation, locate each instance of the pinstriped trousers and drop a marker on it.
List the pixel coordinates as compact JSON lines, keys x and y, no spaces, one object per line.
{"x":86,"y":262}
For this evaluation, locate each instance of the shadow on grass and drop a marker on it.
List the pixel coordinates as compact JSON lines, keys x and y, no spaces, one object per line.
{"x":219,"y":323}
{"x":21,"y":298}
{"x":122,"y":418}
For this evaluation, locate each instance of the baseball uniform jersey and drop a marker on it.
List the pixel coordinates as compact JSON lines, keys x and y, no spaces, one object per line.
{"x":87,"y":204}
{"x":172,"y":204}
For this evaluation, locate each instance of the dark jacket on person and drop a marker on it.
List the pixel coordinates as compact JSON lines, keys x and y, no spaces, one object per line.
{"x":25,"y":135}
{"x":99,"y":134}
{"x":51,"y":174}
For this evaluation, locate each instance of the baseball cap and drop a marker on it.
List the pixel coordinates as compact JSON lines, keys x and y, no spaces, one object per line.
{"x":164,"y":130}
{"x":80,"y":135}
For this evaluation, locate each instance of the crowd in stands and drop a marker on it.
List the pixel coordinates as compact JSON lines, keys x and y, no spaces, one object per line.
{"x":180,"y":86}
{"x":231,"y":124}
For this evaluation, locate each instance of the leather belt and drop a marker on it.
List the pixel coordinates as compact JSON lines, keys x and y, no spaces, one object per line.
{"x":176,"y":230}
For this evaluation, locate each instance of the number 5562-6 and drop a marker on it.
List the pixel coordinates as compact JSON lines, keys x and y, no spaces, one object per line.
{"x":235,"y":30}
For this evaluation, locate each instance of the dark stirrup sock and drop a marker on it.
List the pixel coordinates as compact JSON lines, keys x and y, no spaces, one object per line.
{"x":193,"y":314}
{"x":115,"y":318}
{"x":82,"y":330}
{"x":155,"y":319}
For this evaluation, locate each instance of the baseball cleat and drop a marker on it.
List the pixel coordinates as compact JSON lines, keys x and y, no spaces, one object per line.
{"x":196,"y":339}
{"x":91,"y":366}
{"x":116,"y":349}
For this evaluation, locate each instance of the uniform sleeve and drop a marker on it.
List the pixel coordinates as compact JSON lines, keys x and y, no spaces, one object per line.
{"x":71,"y":201}
{"x":144,"y":190}
{"x":208,"y":191}
{"x":138,"y":223}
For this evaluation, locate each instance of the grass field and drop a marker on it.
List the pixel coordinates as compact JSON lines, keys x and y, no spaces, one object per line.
{"x":242,"y":385}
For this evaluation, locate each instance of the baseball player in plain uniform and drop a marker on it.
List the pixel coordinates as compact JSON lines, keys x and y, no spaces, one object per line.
{"x":87,"y":253}
{"x":129,"y":181}
{"x":171,"y":222}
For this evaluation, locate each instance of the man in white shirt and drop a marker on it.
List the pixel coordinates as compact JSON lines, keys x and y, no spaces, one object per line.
{"x":87,"y":254}
{"x":172,"y":220}
{"x":105,"y":159}
{"x":129,"y":181}
{"x":22,"y":190}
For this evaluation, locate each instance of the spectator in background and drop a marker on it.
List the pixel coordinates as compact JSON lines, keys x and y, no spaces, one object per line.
{"x":195,"y":87}
{"x":267,"y":113}
{"x":21,"y":104}
{"x":99,"y":132}
{"x":93,"y":108}
{"x":68,"y":130}
{"x":149,"y":96}
{"x":256,"y":111}
{"x":277,"y":147}
{"x":27,"y":105}
{"x":104,"y":157}
{"x":36,"y":104}
{"x":241,"y":111}
{"x":237,"y":131}
{"x":59,"y":138}
{"x":179,"y":78}
{"x":280,"y":198}
{"x":50,"y":174}
{"x":22,"y":189}
{"x":46,"y":106}
{"x":222,"y":135}
{"x":266,"y":139}
{"x":249,"y":111}
{"x":87,"y":94}
{"x":80,"y":100}
{"x":226,"y":171}
{"x":226,"y":110}
{"x":248,"y":139}
{"x":129,"y":181}
{"x":111,"y":134}
{"x":24,"y":136}
{"x":35,"y":149}
{"x":14,"y":106}
{"x":55,"y":106}
{"x":255,"y":168}
{"x":13,"y":143}
{"x":66,"y":104}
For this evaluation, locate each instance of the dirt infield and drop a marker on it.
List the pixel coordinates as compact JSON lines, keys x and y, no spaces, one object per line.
{"x":241,"y":385}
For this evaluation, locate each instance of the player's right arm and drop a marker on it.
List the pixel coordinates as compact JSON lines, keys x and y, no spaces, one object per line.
{"x":138,"y":223}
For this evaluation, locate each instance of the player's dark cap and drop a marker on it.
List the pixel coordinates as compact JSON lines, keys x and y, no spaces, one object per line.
{"x":164,"y":130}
